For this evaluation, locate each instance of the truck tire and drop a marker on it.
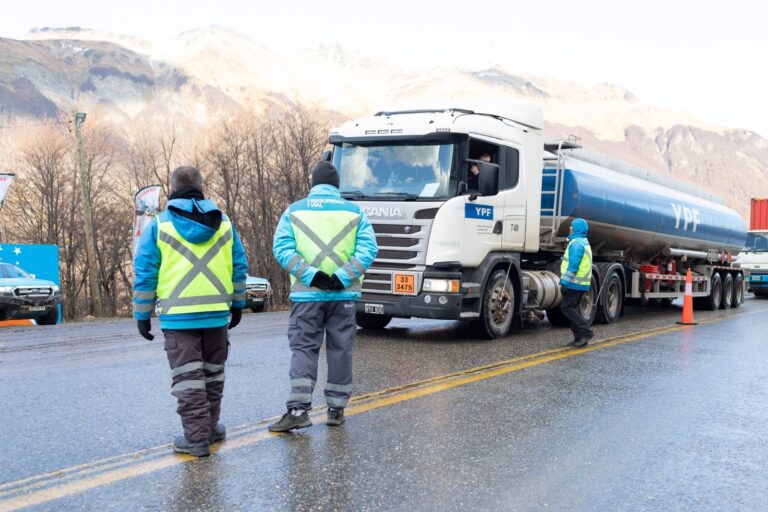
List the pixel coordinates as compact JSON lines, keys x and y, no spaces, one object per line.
{"x":498,"y":306}
{"x":50,"y":318}
{"x":369,"y":321}
{"x":588,"y":305}
{"x":727,"y":301}
{"x":738,"y":291}
{"x":609,"y":310}
{"x":712,"y":301}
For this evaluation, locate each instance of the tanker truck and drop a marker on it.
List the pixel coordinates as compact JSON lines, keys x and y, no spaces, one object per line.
{"x":471,"y":207}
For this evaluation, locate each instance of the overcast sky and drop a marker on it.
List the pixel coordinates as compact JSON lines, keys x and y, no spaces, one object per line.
{"x":707,"y":58}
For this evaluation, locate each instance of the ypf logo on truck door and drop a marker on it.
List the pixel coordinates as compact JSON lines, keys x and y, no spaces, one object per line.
{"x":478,"y":211}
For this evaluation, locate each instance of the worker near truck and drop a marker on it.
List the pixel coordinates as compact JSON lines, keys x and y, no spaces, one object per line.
{"x":326,"y":243}
{"x":192,"y":262}
{"x":575,"y":279}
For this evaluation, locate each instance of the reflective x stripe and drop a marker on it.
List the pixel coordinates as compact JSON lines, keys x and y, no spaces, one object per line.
{"x":356,"y":286}
{"x":189,"y":367}
{"x":238,"y":286}
{"x":213,"y":368}
{"x":326,"y":249}
{"x":188,"y":384}
{"x":144,"y":294}
{"x":166,"y":304}
{"x":143,"y":308}
{"x":341,"y":388}
{"x":238,"y":296}
{"x":199,"y":266}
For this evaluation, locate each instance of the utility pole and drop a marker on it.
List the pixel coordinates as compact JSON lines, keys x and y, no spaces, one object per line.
{"x":90,"y":242}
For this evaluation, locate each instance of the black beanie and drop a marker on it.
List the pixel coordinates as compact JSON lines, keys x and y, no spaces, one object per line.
{"x":325,"y":173}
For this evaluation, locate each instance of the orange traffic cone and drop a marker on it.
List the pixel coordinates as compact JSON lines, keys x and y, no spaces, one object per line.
{"x":688,"y":301}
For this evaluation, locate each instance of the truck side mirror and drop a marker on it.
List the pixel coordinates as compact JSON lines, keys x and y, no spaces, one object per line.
{"x":488,"y":179}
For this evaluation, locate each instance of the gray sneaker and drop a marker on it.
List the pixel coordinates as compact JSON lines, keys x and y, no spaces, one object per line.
{"x":290,"y":421}
{"x":335,"y":417}
{"x":219,"y":433}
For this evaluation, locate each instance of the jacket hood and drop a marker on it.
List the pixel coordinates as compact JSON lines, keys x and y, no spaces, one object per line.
{"x":197,"y":221}
{"x":324,"y":190}
{"x":580,"y":228}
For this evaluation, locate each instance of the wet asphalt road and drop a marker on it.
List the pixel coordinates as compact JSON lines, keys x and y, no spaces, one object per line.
{"x":669,"y":419}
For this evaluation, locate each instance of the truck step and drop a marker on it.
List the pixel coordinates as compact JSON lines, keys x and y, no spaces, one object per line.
{"x":469,"y":315}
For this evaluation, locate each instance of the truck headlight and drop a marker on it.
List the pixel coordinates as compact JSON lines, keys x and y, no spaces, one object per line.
{"x":441,"y":285}
{"x":6,"y":289}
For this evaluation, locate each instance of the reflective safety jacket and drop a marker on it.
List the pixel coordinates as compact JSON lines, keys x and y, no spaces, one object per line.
{"x":576,"y":268}
{"x":324,"y":232}
{"x":195,"y":272}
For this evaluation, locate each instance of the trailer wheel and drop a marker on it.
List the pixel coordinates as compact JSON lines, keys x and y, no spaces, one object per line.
{"x":498,"y":308}
{"x":712,"y":301}
{"x":588,"y":305}
{"x":609,"y":310}
{"x":369,"y":321}
{"x":727,"y":300}
{"x":738,"y":291}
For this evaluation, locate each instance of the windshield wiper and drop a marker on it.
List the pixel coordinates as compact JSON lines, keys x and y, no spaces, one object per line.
{"x":352,"y":194}
{"x":407,"y":196}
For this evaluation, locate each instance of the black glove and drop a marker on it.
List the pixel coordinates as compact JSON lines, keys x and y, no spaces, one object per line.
{"x":321,"y":280}
{"x":237,"y":315}
{"x":563,"y":289}
{"x":144,"y":327}
{"x":335,"y":283}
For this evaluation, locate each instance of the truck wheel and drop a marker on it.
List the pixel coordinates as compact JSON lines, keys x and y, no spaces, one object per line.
{"x":498,"y":308}
{"x":712,"y":301}
{"x":609,"y":310}
{"x":49,"y":318}
{"x":738,"y":291}
{"x":369,"y":321}
{"x":727,"y":300}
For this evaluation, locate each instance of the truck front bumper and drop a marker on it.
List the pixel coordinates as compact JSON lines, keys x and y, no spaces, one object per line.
{"x":22,"y":308}
{"x":423,"y":305}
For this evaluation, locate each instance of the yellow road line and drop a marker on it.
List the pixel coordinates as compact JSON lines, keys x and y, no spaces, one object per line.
{"x":107,"y":472}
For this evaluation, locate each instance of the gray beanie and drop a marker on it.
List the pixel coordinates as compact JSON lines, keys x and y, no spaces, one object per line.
{"x":325,"y":173}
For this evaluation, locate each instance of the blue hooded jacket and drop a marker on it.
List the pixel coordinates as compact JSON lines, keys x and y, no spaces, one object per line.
{"x":148,"y":258}
{"x":576,"y":248}
{"x":328,"y":198}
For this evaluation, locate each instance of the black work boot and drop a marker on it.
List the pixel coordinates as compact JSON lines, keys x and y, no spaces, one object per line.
{"x":199,"y":449}
{"x":290,"y":421}
{"x":219,"y":432}
{"x":335,"y":417}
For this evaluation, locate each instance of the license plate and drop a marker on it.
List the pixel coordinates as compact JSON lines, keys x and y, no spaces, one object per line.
{"x":374,"y":309}
{"x":36,"y":308}
{"x":405,"y":284}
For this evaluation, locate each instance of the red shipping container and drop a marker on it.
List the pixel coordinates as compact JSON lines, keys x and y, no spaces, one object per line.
{"x":758,"y":217}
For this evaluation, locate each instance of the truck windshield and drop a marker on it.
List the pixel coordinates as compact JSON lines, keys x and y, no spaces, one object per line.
{"x":12,"y":272}
{"x":390,"y":171}
{"x":757,"y":242}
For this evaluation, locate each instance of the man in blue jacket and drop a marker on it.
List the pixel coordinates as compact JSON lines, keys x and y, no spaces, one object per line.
{"x":191,"y":261}
{"x":575,"y":279}
{"x":326,"y":243}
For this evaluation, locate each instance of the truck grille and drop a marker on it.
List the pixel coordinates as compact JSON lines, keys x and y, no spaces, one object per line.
{"x":402,"y":247}
{"x":32,"y":291}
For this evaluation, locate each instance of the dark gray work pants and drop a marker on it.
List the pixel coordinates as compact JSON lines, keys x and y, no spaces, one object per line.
{"x":197,"y":358}
{"x":570,"y":308}
{"x":308,"y":325}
